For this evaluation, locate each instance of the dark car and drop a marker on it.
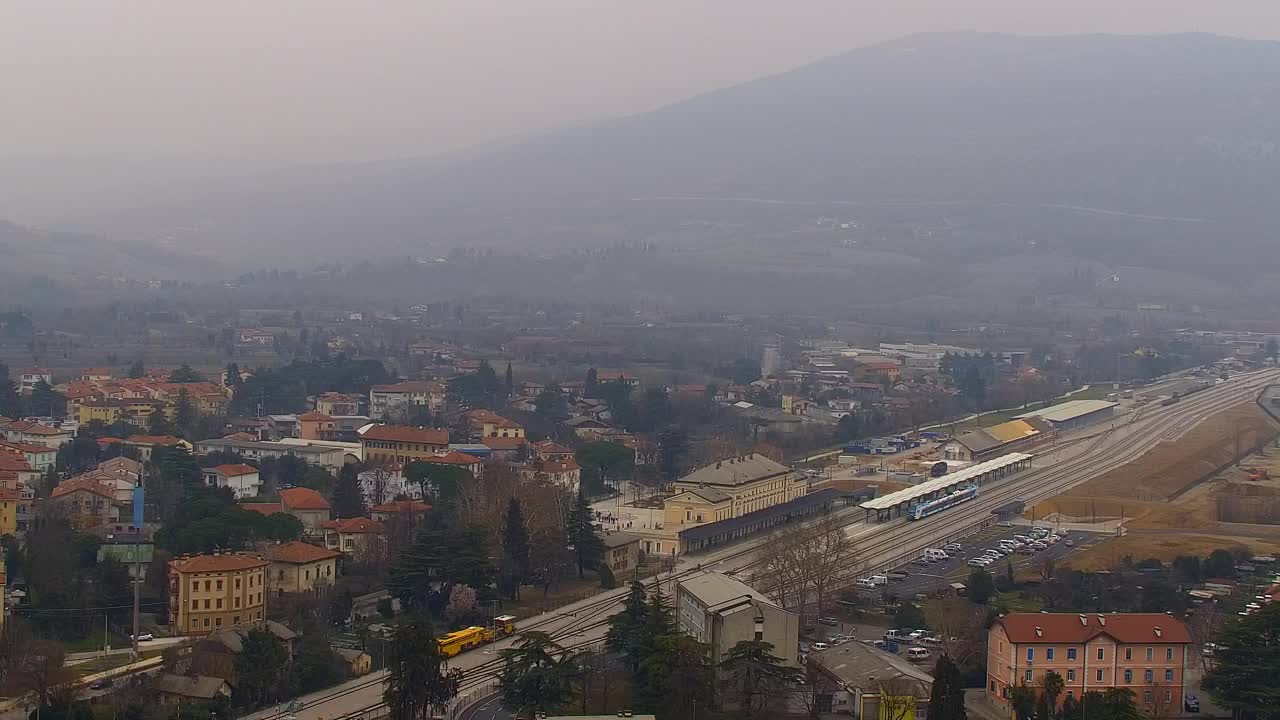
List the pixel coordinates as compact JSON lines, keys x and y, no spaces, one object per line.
{"x":1191,"y":703}
{"x":100,"y":684}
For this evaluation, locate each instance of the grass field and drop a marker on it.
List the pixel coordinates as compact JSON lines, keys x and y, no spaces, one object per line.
{"x":1108,"y":555}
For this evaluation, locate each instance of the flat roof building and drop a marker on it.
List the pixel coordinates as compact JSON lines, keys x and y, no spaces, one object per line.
{"x":721,"y":612}
{"x":1073,"y":414}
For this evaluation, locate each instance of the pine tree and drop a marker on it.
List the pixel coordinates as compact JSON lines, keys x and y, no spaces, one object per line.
{"x":348,"y":495}
{"x":588,"y":548}
{"x":233,"y":375}
{"x":515,"y":541}
{"x":626,"y":626}
{"x":137,"y":370}
{"x":10,"y":402}
{"x":510,"y":382}
{"x":184,"y":414}
{"x":417,"y":682}
{"x":591,"y":384}
{"x":947,"y":699}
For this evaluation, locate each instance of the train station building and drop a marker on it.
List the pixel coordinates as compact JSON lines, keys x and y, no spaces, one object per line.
{"x":884,"y":507}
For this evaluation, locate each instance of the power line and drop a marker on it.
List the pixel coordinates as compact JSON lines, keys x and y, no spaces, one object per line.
{"x":31,"y":611}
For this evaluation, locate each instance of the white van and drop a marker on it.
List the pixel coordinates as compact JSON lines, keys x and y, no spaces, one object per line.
{"x":879,"y":579}
{"x":864,"y":583}
{"x":936,"y":554}
{"x":917,"y":654}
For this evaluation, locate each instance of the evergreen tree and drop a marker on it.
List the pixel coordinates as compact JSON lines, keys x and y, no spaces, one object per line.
{"x":515,"y":541}
{"x":981,"y":586}
{"x":590,"y":385}
{"x":47,"y":402}
{"x":947,"y":699}
{"x":185,"y":374}
{"x":260,"y":666}
{"x":233,"y":375}
{"x":184,"y":413}
{"x":626,"y":627}
{"x":537,"y":676}
{"x":348,"y":496}
{"x":417,"y":683}
{"x":755,"y":678}
{"x":10,"y":401}
{"x":159,"y":424}
{"x":588,"y":548}
{"x":1243,"y":678}
{"x":137,"y":369}
{"x":677,"y":678}
{"x":509,"y":383}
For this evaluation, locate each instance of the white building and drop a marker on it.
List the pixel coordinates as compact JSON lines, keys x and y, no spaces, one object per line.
{"x":242,"y":479}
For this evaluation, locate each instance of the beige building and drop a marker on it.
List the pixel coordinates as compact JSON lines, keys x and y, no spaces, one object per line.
{"x":298,"y":567}
{"x":309,"y":506}
{"x":212,"y":592}
{"x":400,"y":444}
{"x":353,"y":535}
{"x":721,"y":612}
{"x":621,"y":553}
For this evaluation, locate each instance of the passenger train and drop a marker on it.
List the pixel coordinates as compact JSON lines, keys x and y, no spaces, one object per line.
{"x":923,"y":510}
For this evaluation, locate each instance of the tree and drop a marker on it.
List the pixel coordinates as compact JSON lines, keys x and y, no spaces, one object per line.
{"x":898,"y":697}
{"x":909,"y":615}
{"x":1051,"y":686}
{"x":233,"y":375}
{"x":626,"y":627}
{"x":591,"y":384}
{"x":1022,"y":700}
{"x":185,"y":374}
{"x":537,"y":675}
{"x":184,"y":413}
{"x":462,"y":603}
{"x":588,"y":548}
{"x":509,"y":383}
{"x":1272,"y":349}
{"x":1243,"y":677}
{"x":677,"y":677}
{"x":158,"y":423}
{"x":672,"y":444}
{"x":550,"y":558}
{"x":424,"y":574}
{"x":417,"y":682}
{"x":603,"y":460}
{"x":754,"y":678}
{"x":607,"y":579}
{"x":10,"y":401}
{"x":442,"y":483}
{"x":137,"y":370}
{"x":946,"y":700}
{"x":1220,"y":564}
{"x":515,"y":543}
{"x":47,"y":402}
{"x":341,"y":604}
{"x":348,"y":495}
{"x":260,"y":666}
{"x":551,"y":403}
{"x":981,"y":586}
{"x":315,"y":665}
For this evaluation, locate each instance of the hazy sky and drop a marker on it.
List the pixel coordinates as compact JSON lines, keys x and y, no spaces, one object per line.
{"x":160,"y":86}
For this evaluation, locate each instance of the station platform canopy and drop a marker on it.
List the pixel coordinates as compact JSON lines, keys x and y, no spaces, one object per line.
{"x":973,"y":474}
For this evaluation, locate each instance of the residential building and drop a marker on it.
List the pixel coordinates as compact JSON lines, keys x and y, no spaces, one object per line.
{"x":135,"y":411}
{"x":358,"y":662}
{"x":96,"y":374}
{"x":721,"y":611}
{"x":381,"y":483}
{"x":34,"y":433}
{"x":551,"y":450}
{"x":385,"y":400}
{"x":135,"y":548}
{"x":4,"y":609}
{"x":487,"y":424}
{"x":87,"y":502}
{"x":470,"y":463}
{"x":283,"y":425}
{"x":210,"y":592}
{"x":145,"y":444}
{"x":352,"y":535}
{"x":1147,"y":653}
{"x":621,"y":553}
{"x":855,"y":678}
{"x":257,"y":337}
{"x":316,"y":425}
{"x":401,"y":444}
{"x":333,"y":403}
{"x":411,"y":511}
{"x":298,"y":567}
{"x":31,"y":377}
{"x":618,"y":376}
{"x":38,"y":457}
{"x":327,"y":457}
{"x":564,"y":473}
{"x":243,"y":480}
{"x":504,"y":448}
{"x":309,"y":506}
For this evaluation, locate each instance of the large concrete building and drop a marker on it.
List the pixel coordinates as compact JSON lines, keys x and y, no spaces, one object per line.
{"x":721,"y":612}
{"x":1146,"y":653}
{"x":1073,"y":414}
{"x":208,"y":593}
{"x":400,"y":444}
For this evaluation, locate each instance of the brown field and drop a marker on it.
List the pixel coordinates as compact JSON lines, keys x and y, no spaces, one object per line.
{"x":1109,"y":555}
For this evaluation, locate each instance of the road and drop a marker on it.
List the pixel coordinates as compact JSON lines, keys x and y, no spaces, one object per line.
{"x":879,"y":546}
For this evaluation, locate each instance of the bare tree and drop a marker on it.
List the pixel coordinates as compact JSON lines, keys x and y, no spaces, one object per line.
{"x":808,"y":561}
{"x":1204,"y":625}
{"x":898,"y":697}
{"x":1046,"y":566}
{"x":1164,"y":702}
{"x":959,"y":624}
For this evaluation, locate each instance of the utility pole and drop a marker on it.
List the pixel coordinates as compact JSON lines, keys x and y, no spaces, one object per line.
{"x":139,"y":501}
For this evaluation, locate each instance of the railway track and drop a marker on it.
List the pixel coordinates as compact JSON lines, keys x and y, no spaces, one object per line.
{"x":885,"y":541}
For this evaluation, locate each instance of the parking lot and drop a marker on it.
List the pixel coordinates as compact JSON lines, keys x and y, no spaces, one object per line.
{"x":926,"y":578}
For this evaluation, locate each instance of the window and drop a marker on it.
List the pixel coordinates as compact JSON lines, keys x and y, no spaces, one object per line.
{"x":1099,"y":673}
{"x":1168,"y":695}
{"x":993,"y":686}
{"x":1070,"y":694}
{"x":237,"y":583}
{"x":236,"y":619}
{"x":1128,"y":653}
{"x":1048,"y":654}
{"x":1147,"y":676}
{"x":1146,"y":696}
{"x":1128,"y":677}
{"x":219,"y":584}
{"x":206,"y":622}
{"x":1071,"y":653}
{"x":217,"y":622}
{"x":208,"y":584}
{"x":308,"y":575}
{"x":1168,"y":676}
{"x":1148,"y":654}
{"x":1028,"y":676}
{"x":195,"y":604}
{"x":219,"y":603}
{"x":279,"y":575}
{"x":237,"y":602}
{"x":1168,"y":654}
{"x":195,"y":586}
{"x":1100,"y":652}
{"x":1031,"y":654}
{"x":688,"y":514}
{"x":1071,"y":676}
{"x":206,"y":604}
{"x":195,"y":622}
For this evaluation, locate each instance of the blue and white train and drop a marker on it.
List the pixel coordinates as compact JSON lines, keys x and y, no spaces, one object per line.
{"x":923,"y":510}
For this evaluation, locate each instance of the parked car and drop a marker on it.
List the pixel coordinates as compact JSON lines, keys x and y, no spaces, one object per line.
{"x":864,"y":583}
{"x":100,"y":684}
{"x":1070,"y":542}
{"x":1191,"y":704}
{"x":918,"y":654}
{"x":819,"y":647}
{"x":899,"y":575}
{"x":978,"y":563}
{"x":917,"y":634}
{"x":144,"y":637}
{"x":829,"y":621}
{"x":1022,"y":538}
{"x":1028,"y":550}
{"x":953,"y":547}
{"x":839,"y":639}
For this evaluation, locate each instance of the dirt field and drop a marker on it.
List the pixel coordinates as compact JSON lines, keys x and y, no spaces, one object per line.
{"x":1108,"y":555}
{"x":1174,"y":486}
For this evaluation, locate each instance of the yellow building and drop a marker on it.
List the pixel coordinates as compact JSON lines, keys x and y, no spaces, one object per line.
{"x":135,"y":411}
{"x":298,"y":567}
{"x":385,"y":444}
{"x":8,"y":515}
{"x":211,"y":592}
{"x":731,"y":488}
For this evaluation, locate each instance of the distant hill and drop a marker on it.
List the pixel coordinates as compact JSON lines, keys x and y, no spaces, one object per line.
{"x":1153,"y":152}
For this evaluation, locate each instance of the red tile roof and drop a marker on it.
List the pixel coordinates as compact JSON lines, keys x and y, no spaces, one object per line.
{"x":163,"y":440}
{"x":235,"y":470}
{"x":453,"y":457}
{"x":409,"y":387}
{"x":87,"y":484}
{"x":356,"y":526}
{"x":303,"y":499}
{"x":222,"y":562}
{"x":35,"y":428}
{"x":404,"y":433}
{"x":298,"y":552}
{"x":1071,"y":628}
{"x":314,"y":416}
{"x":550,"y":447}
{"x":401,"y":506}
{"x":263,"y":508}
{"x":25,"y":447}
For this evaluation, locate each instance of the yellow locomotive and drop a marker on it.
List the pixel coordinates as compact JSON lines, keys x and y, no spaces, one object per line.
{"x":460,"y":641}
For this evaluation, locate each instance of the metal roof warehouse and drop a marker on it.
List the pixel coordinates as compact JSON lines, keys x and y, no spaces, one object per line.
{"x":972,"y":475}
{"x":1072,"y":414}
